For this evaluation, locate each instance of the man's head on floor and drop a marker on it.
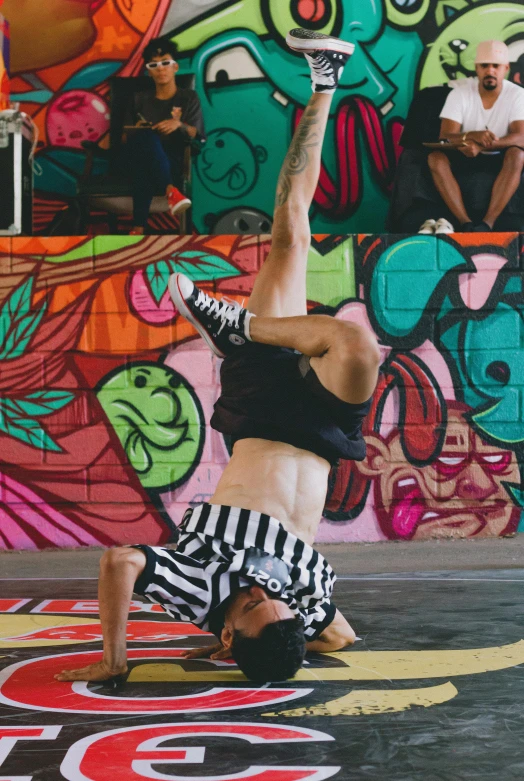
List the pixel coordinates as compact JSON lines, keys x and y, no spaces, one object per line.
{"x":265,"y":637}
{"x":492,"y":64}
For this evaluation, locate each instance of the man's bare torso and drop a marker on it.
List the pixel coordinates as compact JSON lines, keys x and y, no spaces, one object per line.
{"x":278,"y":479}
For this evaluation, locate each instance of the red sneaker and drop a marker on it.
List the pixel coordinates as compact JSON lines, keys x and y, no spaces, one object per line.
{"x":177,"y":201}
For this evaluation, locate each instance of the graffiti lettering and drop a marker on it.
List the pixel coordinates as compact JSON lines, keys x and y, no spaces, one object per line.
{"x":135,"y":750}
{"x":50,"y":695}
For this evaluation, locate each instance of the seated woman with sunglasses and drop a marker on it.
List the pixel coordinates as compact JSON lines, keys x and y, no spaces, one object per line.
{"x":167,"y":119}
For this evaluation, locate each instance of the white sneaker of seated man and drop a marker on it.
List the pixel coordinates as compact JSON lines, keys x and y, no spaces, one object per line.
{"x":436,"y":227}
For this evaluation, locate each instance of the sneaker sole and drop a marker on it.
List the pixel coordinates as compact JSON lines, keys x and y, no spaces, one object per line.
{"x":320,"y":44}
{"x":184,"y":310}
{"x":180,"y":207}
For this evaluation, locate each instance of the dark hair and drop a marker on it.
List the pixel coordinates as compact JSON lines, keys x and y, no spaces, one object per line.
{"x":275,"y":655}
{"x":159,"y":46}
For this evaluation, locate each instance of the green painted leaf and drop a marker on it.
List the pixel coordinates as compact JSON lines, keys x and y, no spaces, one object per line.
{"x":20,"y":333}
{"x":27,"y":430}
{"x":39,"y":403}
{"x":19,"y":302}
{"x":200,"y":266}
{"x":15,"y":307}
{"x":158,"y":276}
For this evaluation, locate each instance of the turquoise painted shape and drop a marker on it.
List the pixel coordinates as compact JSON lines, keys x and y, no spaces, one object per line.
{"x":417,"y":253}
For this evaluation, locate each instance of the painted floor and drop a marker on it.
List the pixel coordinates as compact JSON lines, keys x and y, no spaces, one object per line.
{"x":433,"y":691}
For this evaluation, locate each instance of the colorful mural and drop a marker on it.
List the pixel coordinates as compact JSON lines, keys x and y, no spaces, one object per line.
{"x":4,"y":61}
{"x":105,"y":392}
{"x":245,"y":73}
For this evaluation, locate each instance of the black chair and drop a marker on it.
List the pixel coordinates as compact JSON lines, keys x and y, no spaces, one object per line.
{"x":414,"y":197}
{"x":111,"y":193}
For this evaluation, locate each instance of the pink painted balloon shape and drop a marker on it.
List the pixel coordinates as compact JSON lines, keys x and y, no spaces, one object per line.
{"x":76,"y":116}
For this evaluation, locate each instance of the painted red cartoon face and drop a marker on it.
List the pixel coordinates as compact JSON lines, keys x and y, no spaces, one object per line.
{"x":461,"y":494}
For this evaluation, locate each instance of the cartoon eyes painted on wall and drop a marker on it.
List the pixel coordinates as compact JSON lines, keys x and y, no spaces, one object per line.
{"x":452,"y":465}
{"x":499,"y":371}
{"x":235,"y":64}
{"x":280,"y":16}
{"x":406,"y":13}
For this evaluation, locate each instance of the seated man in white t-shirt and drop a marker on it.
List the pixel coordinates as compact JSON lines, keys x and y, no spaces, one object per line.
{"x":486,"y":114}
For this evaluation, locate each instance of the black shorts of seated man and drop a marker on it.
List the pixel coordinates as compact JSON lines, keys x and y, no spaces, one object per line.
{"x":485,"y":115}
{"x":295,"y":390}
{"x":167,"y":119}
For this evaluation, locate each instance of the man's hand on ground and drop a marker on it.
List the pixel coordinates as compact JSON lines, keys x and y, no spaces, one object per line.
{"x":216,"y":651}
{"x":100,"y":671}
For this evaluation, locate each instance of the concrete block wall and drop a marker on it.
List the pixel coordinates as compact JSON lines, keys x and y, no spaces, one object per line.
{"x":96,"y":365}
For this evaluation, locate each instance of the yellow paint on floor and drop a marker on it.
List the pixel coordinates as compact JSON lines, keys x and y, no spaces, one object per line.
{"x":174,"y":672}
{"x":14,"y":626}
{"x":405,"y":665}
{"x":360,"y":666}
{"x":370,"y":701}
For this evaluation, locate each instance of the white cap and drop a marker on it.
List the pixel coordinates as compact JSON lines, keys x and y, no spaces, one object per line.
{"x":492,"y":51}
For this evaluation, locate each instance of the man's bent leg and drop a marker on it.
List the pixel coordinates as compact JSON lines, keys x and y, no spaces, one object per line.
{"x":280,"y":287}
{"x":447,"y":185}
{"x":506,"y":184}
{"x":344,"y":355}
{"x":119,"y":570}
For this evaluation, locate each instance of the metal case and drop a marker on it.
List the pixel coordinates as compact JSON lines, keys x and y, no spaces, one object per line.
{"x":16,"y":174}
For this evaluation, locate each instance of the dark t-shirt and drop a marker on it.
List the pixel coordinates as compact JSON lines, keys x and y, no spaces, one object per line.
{"x":155,"y":110}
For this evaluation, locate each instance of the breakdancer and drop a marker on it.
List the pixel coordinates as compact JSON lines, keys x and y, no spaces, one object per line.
{"x":295,"y":390}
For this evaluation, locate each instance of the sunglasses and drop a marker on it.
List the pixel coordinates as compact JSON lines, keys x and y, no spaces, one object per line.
{"x":152,"y":65}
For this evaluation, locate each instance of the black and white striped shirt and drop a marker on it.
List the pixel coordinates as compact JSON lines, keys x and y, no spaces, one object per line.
{"x":212,"y":560}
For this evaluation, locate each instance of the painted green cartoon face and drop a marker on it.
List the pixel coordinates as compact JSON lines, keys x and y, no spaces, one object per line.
{"x":250,"y":84}
{"x":229,"y":163}
{"x":452,"y":55}
{"x":159,"y":421}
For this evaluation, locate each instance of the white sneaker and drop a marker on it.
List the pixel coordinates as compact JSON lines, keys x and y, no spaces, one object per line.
{"x":428,"y":228}
{"x":443,"y":226}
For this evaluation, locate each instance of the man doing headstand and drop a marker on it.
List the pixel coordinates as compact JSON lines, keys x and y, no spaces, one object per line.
{"x":295,"y":389}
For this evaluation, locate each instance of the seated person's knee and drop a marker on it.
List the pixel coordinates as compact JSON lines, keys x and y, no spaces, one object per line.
{"x":514,"y":156}
{"x":437,"y":161}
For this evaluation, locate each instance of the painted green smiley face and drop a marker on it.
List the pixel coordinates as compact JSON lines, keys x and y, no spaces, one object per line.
{"x":452,"y":54}
{"x":159,"y":421}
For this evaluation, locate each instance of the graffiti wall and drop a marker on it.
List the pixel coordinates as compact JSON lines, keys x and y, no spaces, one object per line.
{"x":245,"y":74}
{"x":105,"y":391}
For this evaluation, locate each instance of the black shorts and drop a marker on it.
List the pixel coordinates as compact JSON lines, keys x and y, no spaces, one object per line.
{"x":272,"y":393}
{"x":483,"y":163}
